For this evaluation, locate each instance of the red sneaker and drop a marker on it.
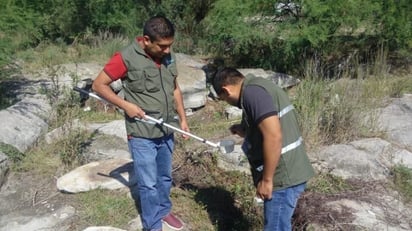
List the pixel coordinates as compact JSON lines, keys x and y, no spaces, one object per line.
{"x":173,"y":222}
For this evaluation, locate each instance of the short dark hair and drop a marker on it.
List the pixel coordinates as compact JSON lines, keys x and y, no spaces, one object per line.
{"x":226,"y":76}
{"x":158,"y":27}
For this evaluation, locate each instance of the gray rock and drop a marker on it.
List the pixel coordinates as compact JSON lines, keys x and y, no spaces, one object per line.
{"x":396,"y":120}
{"x":340,"y":158}
{"x":4,"y":168}
{"x":106,"y":174}
{"x":283,"y":80}
{"x":115,"y":128}
{"x":376,"y":213}
{"x":233,"y":112}
{"x":24,"y":122}
{"x":192,"y":81}
{"x":234,"y":161}
{"x":19,"y":222}
{"x":63,"y":131}
{"x":280,"y":79}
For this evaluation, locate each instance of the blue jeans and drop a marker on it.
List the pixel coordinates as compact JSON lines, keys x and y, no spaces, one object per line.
{"x":279,"y":210}
{"x":152,"y":165}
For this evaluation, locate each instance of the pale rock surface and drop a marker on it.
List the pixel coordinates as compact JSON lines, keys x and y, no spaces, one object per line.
{"x":19,"y":222}
{"x":374,"y":157}
{"x":114,"y":128}
{"x":235,"y":160}
{"x":232,"y":112}
{"x":396,"y":120}
{"x":24,"y":122}
{"x":106,"y":174}
{"x":192,"y":81}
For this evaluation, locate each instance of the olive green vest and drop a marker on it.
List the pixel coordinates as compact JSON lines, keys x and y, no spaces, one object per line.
{"x":151,"y":88}
{"x":294,"y":166}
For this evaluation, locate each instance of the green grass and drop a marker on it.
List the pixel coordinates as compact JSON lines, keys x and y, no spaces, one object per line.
{"x":104,"y":207}
{"x":402,"y":178}
{"x":328,"y":184}
{"x":66,"y":152}
{"x":11,"y":152}
{"x":190,"y":210}
{"x":100,"y":48}
{"x":39,"y":160}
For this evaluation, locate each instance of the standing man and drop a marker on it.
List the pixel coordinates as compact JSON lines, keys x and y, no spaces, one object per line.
{"x":273,"y":143}
{"x":147,"y":68}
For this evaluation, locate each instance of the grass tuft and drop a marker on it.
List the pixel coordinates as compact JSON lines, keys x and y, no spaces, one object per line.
{"x":11,"y":152}
{"x":402,"y":177}
{"x":328,"y":184}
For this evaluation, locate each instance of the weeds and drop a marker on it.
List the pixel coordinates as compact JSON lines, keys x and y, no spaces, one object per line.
{"x":343,"y":110}
{"x":328,"y":184}
{"x":11,"y":152}
{"x":71,"y":148}
{"x":40,"y":160}
{"x":402,"y":177}
{"x":65,"y":152}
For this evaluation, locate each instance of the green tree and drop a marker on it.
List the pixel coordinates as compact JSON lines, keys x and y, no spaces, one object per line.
{"x":395,"y":21}
{"x":257,"y":33}
{"x":280,"y":35}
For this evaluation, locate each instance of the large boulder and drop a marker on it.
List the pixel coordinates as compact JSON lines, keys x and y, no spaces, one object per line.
{"x":24,"y":122}
{"x":105,"y":174}
{"x":280,"y":79}
{"x":396,"y":120}
{"x":192,"y":81}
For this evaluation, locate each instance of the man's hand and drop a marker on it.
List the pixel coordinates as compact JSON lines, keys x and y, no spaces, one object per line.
{"x":133,"y":111}
{"x":237,"y":129}
{"x":264,"y":189}
{"x":184,"y":127}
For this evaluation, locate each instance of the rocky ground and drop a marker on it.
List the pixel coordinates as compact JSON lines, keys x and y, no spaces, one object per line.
{"x":31,"y":201}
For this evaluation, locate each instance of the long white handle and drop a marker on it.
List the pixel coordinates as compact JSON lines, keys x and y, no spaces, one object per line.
{"x":152,"y":119}
{"x":181,"y":131}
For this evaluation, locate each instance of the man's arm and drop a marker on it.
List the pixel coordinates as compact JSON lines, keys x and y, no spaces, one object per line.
{"x":180,"y":108}
{"x":101,"y":85}
{"x":272,"y":145}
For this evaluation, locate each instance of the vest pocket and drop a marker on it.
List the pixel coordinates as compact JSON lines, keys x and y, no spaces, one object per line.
{"x":152,"y":80}
{"x":136,"y":82}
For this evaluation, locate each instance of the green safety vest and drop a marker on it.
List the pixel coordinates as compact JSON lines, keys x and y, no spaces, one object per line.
{"x":294,"y":166}
{"x":151,"y":88}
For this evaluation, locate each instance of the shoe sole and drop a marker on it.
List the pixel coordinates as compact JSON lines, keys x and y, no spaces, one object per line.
{"x":174,"y":228}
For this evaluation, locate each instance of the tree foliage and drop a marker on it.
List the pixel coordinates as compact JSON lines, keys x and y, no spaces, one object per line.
{"x":258,"y":33}
{"x":280,"y":35}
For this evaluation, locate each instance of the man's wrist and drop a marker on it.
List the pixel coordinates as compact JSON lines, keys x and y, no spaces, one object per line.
{"x":267,"y":179}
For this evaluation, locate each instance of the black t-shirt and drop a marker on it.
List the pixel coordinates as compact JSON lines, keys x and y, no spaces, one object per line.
{"x":258,"y":103}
